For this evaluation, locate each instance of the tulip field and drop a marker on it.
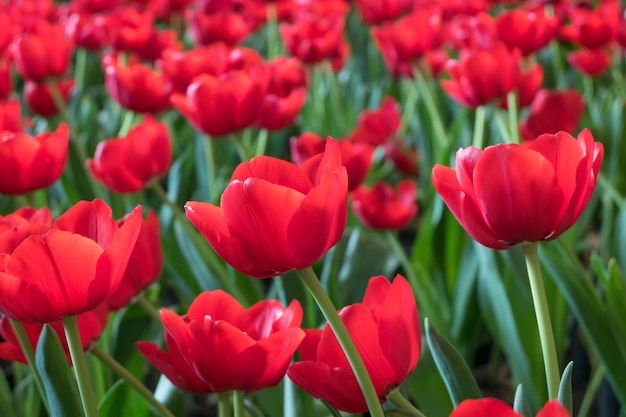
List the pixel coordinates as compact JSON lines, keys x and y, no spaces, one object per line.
{"x":267,"y":208}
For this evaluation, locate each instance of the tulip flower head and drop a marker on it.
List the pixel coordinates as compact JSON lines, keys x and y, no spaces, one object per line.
{"x":220,"y":346}
{"x":275,"y":216}
{"x":382,"y":207}
{"x":385,"y":328}
{"x":79,"y":263}
{"x":515,"y":194}
{"x":494,"y":407}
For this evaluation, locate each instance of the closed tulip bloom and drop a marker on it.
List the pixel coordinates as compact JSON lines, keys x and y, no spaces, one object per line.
{"x":39,"y":99}
{"x":90,"y":326}
{"x":28,"y":163}
{"x":404,"y":156}
{"x":225,"y":26}
{"x":385,"y":328}
{"x":593,"y":28}
{"x":590,"y":62}
{"x":219,"y":346}
{"x":374,"y":12}
{"x":481,"y":76}
{"x":222,"y":105}
{"x":527,"y":30}
{"x":10,"y":116}
{"x":144,"y":266}
{"x":552,"y":111}
{"x":377,"y":126}
{"x":126,"y":164}
{"x":286,"y":93}
{"x":136,"y":87}
{"x":31,"y":52}
{"x":79,"y":264}
{"x":515,"y":194}
{"x":494,"y":407}
{"x":128,"y":29}
{"x":276,"y":216}
{"x":356,"y":157}
{"x":382,"y":207}
{"x":313,"y":38}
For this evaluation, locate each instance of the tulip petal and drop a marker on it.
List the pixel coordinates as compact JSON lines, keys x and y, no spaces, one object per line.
{"x":463,"y":207}
{"x":319,"y":222}
{"x":275,"y":171}
{"x":518,"y":193}
{"x":484,"y":407}
{"x":90,"y":219}
{"x":219,"y":305}
{"x":39,"y":308}
{"x":257,"y":214}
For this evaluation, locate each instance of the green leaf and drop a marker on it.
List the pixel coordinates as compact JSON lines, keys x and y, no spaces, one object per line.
{"x":519,"y":403}
{"x":56,"y":375}
{"x":565,"y":389}
{"x":6,"y":398}
{"x":455,"y":372}
{"x":123,"y":400}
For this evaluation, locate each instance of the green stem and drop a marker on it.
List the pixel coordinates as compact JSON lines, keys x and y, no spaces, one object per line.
{"x":421,"y":287}
{"x":130,"y":379}
{"x":592,"y":389}
{"x":273,"y":39}
{"x":511,"y":102}
{"x":502,"y":127}
{"x":224,"y":405}
{"x":143,"y":302}
{"x":29,"y":353}
{"x":57,"y":98}
{"x":345,"y":340}
{"x":242,"y":148}
{"x":127,"y":123}
{"x":209,"y":160}
{"x":30,"y":197}
{"x":544,"y":324}
{"x":410,"y":105}
{"x":239,"y":400}
{"x":433,"y":111}
{"x":333,"y":86}
{"x":479,"y":127}
{"x":261,"y":142}
{"x":81,"y":371}
{"x":80,"y":69}
{"x":400,"y":401}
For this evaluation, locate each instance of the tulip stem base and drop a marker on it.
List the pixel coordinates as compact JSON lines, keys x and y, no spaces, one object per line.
{"x":239,"y":398}
{"x":81,"y":371}
{"x":479,"y":127}
{"x":544,"y":324}
{"x":224,"y":404}
{"x":511,"y":102}
{"x":345,"y":340}
{"x":130,"y":379}
{"x":29,"y":352}
{"x":400,"y":401}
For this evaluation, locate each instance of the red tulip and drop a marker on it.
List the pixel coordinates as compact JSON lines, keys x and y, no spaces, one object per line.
{"x":515,"y":194}
{"x":528,"y":84}
{"x":313,"y":38}
{"x":527,"y":30}
{"x":86,"y":30}
{"x":10,"y":116}
{"x":591,"y":62}
{"x":356,"y":157}
{"x":56,"y":285}
{"x":468,"y":32}
{"x":17,"y":226}
{"x":221,"y":105}
{"x":286,"y":93}
{"x":374,"y":12}
{"x":144,"y":266}
{"x":375,"y":127}
{"x":39,"y":99}
{"x":182,"y":67}
{"x":6,"y":84}
{"x":552,"y":111}
{"x":128,"y":163}
{"x":409,"y":38}
{"x":595,"y":28}
{"x":29,"y":163}
{"x":487,"y":407}
{"x":386,"y":330}
{"x":275,"y":216}
{"x":219,"y":346}
{"x":482,"y":76}
{"x":90,"y":326}
{"x":404,"y":156}
{"x":128,"y":29}
{"x":382,"y":207}
{"x":224,"y":26}
{"x":32,"y":52}
{"x":136,"y":87}
{"x":159,"y":42}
